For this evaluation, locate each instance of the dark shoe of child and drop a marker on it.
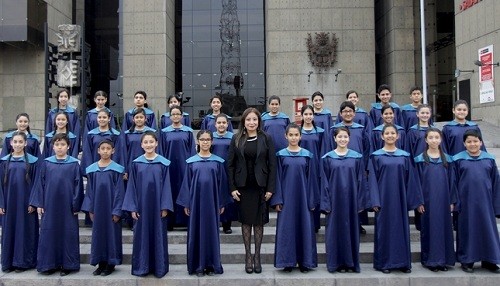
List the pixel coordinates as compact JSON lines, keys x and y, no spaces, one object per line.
{"x":108,"y":270}
{"x":48,"y":272}
{"x":287,"y":269}
{"x":467,"y":267}
{"x":490,"y":266}
{"x":65,"y":272}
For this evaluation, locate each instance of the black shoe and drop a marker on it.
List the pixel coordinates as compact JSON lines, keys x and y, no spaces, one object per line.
{"x":227,"y":231}
{"x":386,"y":271}
{"x":288,"y":269}
{"x":257,"y":267}
{"x":362,"y":230}
{"x":350,"y":270}
{"x":20,"y":270}
{"x":405,"y":270}
{"x":433,"y":268}
{"x":468,"y":267}
{"x":200,"y":274}
{"x":304,"y":269}
{"x":65,"y":272}
{"x":98,"y":271}
{"x":442,"y":268}
{"x":210,"y":271}
{"x":108,"y":270}
{"x":48,"y":272}
{"x":490,"y":266}
{"x":248,"y":264}
{"x":342,"y":270}
{"x":9,"y":270}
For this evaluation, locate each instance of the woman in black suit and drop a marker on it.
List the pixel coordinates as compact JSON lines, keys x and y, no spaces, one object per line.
{"x":252,"y":178}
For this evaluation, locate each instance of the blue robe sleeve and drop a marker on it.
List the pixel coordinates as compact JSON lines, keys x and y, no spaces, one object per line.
{"x":2,"y":175}
{"x":36,"y":196}
{"x":277,"y":198}
{"x":326,"y":199}
{"x":184,"y":197}
{"x":88,"y":200}
{"x":363,"y":190}
{"x":119,"y":196}
{"x":74,"y":147}
{"x":87,"y":152}
{"x":313,"y":180}
{"x":166,"y":201}
{"x":131,"y":199}
{"x":413,"y":189}
{"x":373,"y":183}
{"x":224,"y":197}
{"x":77,"y":191}
{"x":496,"y":188}
{"x":120,"y":150}
{"x":204,"y":123}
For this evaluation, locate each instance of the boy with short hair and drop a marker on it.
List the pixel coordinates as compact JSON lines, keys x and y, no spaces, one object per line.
{"x":384,"y":94}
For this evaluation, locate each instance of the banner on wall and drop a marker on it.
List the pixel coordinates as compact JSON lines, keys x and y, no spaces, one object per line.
{"x":486,"y":77}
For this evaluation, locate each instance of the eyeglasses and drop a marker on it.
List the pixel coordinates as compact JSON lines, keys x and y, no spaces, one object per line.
{"x":347,"y":111}
{"x":175,"y":114}
{"x":205,"y":139}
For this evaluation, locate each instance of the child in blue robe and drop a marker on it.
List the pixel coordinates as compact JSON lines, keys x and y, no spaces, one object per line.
{"x":103,"y":201}
{"x":100,"y":99}
{"x":61,"y":125}
{"x":140,"y":98}
{"x":62,"y":98}
{"x":165,"y":121}
{"x":275,"y":122}
{"x":204,"y":193}
{"x":32,"y":141}
{"x":58,"y":196}
{"x":384,"y":94}
{"x":18,"y":171}
{"x":208,"y":122}
{"x":360,"y":116}
{"x":149,"y":198}
{"x":376,"y":142}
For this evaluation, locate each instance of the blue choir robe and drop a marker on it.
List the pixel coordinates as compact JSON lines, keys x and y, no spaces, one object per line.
{"x":453,"y":133}
{"x":48,"y":150}
{"x":409,"y":115}
{"x":91,"y":120}
{"x":128,"y":119}
{"x":74,"y":122}
{"x":177,"y":145}
{"x":59,"y":190}
{"x":148,"y":193}
{"x":19,"y":228}
{"x":478,"y":188}
{"x":343,"y":195}
{"x":323,"y":119}
{"x":376,"y":114}
{"x":32,"y":147}
{"x":165,"y":120}
{"x":275,"y":126}
{"x":361,"y":117}
{"x":395,"y":188}
{"x":104,"y":198}
{"x":376,"y":141}
{"x":436,"y":234}
{"x":359,"y":139}
{"x":91,"y":143}
{"x":208,"y":123}
{"x":297,"y":190}
{"x":204,"y":191}
{"x":415,"y":140}
{"x":220,"y":147}
{"x":132,"y":145}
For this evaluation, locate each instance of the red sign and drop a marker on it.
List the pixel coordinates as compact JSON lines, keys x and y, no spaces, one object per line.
{"x":486,"y":71}
{"x":466,"y":4}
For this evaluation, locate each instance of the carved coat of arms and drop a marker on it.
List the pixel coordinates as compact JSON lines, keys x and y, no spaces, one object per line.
{"x":322,"y":50}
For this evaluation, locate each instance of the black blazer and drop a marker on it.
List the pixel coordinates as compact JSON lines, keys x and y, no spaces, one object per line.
{"x":265,"y":164}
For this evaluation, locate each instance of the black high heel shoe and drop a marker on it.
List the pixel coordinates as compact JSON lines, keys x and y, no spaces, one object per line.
{"x":248,"y":264}
{"x":257,"y":267}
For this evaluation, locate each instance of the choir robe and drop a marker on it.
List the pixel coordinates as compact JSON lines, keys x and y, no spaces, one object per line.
{"x":415,"y":140}
{"x":59,"y":190}
{"x":376,"y":114}
{"x":74,"y":122}
{"x":128,"y":119}
{"x":275,"y":126}
{"x":208,"y":123}
{"x":453,"y":133}
{"x":220,"y":147}
{"x":32,"y":147}
{"x":91,"y":143}
{"x":343,"y":195}
{"x":395,"y":188}
{"x":204,"y":191}
{"x":104,"y":198}
{"x":148,"y":193}
{"x":317,"y":142}
{"x":165,"y":120}
{"x":91,"y":120}
{"x":478,"y":187}
{"x":436,"y":234}
{"x":376,"y":141}
{"x":297,"y":190}
{"x":48,"y":150}
{"x":323,"y":119}
{"x":359,"y":139}
{"x":132,"y":145}
{"x":177,"y":145}
{"x":19,"y":228}
{"x":361,"y":117}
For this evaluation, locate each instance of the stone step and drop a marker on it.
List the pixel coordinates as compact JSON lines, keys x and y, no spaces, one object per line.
{"x":234,"y":274}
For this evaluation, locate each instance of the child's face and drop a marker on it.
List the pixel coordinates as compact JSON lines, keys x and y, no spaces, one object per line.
{"x":61,"y":148}
{"x":473,"y":145}
{"x":388,"y":116}
{"x":149,"y":144}
{"x":221,"y":124}
{"x":216,"y":105}
{"x":424,"y":114}
{"x":105,"y":151}
{"x":461,"y":111}
{"x":293,"y":137}
{"x":175,"y":115}
{"x":385,"y":96}
{"x":139,"y":100}
{"x":353,"y":97}
{"x":61,"y":121}
{"x":103,"y":119}
{"x":318,"y":102}
{"x":205,"y":141}
{"x":18,"y":143}
{"x":433,"y":139}
{"x":274,"y":106}
{"x":22,"y":123}
{"x":63,"y":99}
{"x":347,"y":114}
{"x":173,"y":101}
{"x":139,"y":120}
{"x":416,"y":96}
{"x":308,"y":116}
{"x":390,"y":135}
{"x":342,"y":139}
{"x":100,"y":101}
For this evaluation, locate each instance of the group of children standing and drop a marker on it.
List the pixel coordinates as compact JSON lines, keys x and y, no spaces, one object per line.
{"x":359,"y":163}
